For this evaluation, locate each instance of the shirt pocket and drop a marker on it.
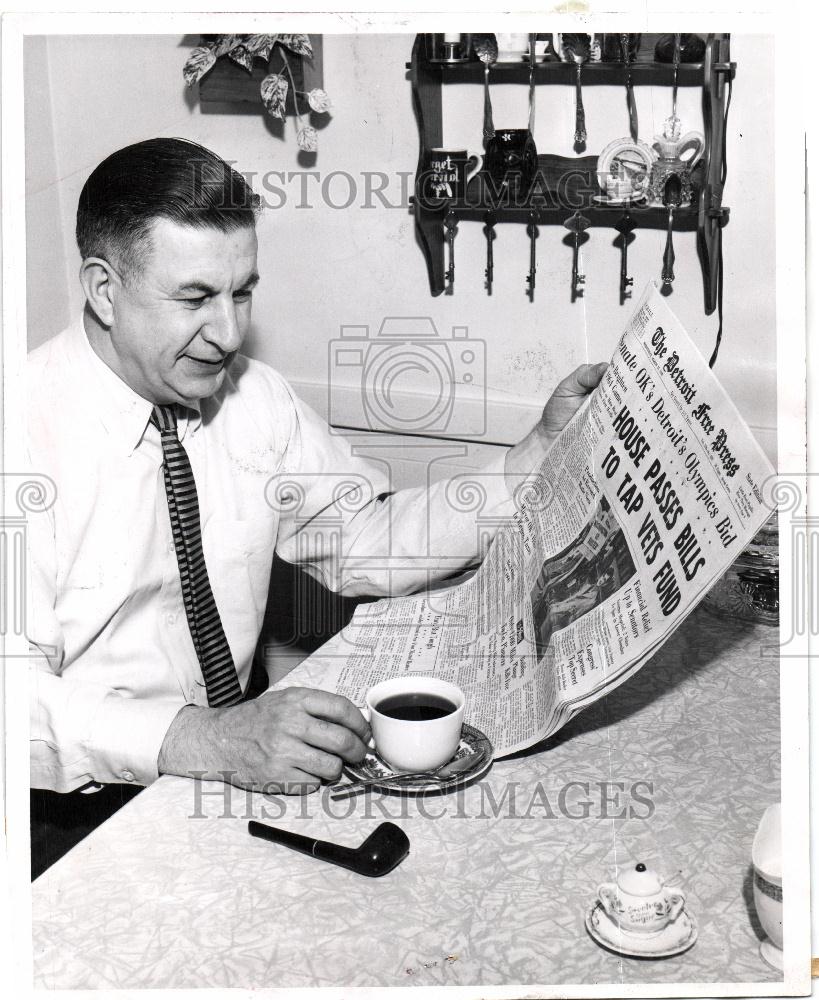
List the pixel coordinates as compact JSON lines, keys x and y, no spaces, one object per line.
{"x":239,"y":557}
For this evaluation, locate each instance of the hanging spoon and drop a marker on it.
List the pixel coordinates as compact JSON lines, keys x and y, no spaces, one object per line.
{"x":577,"y":49}
{"x":672,"y":196}
{"x":450,"y":228}
{"x":630,"y":103}
{"x":672,"y":125}
{"x":486,"y":49}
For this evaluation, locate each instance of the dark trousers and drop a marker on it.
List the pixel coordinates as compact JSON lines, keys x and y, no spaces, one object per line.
{"x":59,"y":821}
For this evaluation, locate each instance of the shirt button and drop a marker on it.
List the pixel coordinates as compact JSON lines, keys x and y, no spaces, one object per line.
{"x":171,"y":619}
{"x":128,"y":775}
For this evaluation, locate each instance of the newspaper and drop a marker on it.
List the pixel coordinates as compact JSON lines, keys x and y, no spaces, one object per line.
{"x":639,"y":507}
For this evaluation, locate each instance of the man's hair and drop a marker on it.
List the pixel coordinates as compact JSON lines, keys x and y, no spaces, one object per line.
{"x":158,"y":179}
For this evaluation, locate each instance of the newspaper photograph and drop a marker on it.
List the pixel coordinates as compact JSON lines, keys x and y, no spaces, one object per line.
{"x":638,"y":508}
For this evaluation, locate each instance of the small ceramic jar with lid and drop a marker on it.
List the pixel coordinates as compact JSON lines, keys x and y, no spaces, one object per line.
{"x":639,"y":902}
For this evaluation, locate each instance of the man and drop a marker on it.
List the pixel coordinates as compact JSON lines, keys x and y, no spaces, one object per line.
{"x":151,"y":569}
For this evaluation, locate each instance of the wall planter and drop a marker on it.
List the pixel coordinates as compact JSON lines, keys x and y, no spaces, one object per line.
{"x":245,"y":74}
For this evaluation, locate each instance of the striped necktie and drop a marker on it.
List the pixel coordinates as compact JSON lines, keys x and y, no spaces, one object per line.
{"x":209,"y":640}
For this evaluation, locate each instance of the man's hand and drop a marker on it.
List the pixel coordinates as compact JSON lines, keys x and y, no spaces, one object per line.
{"x":562,"y":405}
{"x":569,"y":396}
{"x":284,"y":741}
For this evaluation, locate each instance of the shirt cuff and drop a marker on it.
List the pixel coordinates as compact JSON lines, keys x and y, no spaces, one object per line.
{"x":499,"y":499}
{"x":126,"y":737}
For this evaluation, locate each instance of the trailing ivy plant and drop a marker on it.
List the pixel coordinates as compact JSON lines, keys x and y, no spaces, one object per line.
{"x":244,"y":50}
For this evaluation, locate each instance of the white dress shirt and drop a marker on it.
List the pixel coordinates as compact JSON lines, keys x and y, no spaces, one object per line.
{"x":114,"y":661}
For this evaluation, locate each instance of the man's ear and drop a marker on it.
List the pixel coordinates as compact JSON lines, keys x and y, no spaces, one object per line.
{"x":99,"y":281}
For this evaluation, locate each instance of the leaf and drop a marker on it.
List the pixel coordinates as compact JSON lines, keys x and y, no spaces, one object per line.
{"x":260,"y":45}
{"x":318,"y":100}
{"x":300,"y":44}
{"x":274,"y":93}
{"x":242,"y":57}
{"x":307,"y":138}
{"x":226,"y":44}
{"x":198,"y":63}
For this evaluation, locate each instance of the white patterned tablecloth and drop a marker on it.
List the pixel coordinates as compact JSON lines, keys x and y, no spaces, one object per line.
{"x":173,"y":892}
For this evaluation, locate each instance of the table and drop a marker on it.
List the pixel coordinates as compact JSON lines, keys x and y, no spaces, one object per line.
{"x":173,"y":892}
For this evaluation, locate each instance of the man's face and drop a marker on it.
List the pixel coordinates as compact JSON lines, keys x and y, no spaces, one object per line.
{"x":181,"y":319}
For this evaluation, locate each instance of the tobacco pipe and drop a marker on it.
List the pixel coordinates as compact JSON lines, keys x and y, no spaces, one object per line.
{"x":384,"y":849}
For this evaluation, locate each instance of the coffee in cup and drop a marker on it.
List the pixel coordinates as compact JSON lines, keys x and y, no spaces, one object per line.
{"x":416,"y":721}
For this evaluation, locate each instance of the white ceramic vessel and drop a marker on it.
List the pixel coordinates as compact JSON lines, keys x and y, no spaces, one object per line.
{"x":512,"y":46}
{"x":766,"y":856}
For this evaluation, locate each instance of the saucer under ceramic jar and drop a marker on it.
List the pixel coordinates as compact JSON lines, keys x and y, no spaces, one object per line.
{"x":674,"y":939}
{"x":639,"y":915}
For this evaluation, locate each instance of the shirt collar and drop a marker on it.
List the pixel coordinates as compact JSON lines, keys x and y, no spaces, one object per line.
{"x":124,"y":413}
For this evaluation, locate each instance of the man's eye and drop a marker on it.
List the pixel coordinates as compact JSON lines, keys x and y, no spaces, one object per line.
{"x":243,"y":295}
{"x":200,"y":300}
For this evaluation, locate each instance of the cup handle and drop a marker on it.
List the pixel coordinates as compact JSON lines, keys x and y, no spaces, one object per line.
{"x":365,"y":711}
{"x":471,"y":171}
{"x":607,"y":894}
{"x":676,"y":902}
{"x":691,"y":140}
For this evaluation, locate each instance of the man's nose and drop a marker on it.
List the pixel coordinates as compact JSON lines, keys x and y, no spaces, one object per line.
{"x":224,"y":329}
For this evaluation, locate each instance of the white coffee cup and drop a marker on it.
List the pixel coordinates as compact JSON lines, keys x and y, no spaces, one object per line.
{"x":415,"y":744}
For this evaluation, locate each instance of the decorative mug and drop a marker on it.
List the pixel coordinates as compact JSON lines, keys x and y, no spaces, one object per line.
{"x":692,"y":49}
{"x":511,"y":160}
{"x":766,"y":856}
{"x":446,"y":174}
{"x":611,"y":48}
{"x":543,"y":47}
{"x":594,"y":43}
{"x":512,"y":47}
{"x":624,"y":169}
{"x":619,"y":188}
{"x":639,"y":903}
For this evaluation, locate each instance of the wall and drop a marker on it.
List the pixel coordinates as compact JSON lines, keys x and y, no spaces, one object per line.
{"x":325,"y":266}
